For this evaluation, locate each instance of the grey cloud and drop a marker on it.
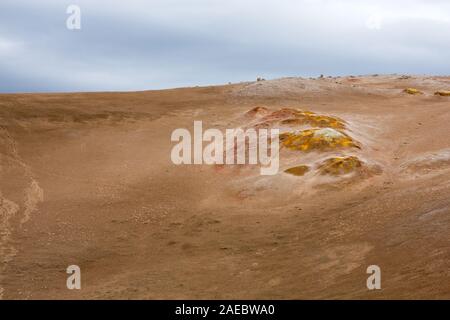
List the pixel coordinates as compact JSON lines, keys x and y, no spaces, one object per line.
{"x":137,"y":45}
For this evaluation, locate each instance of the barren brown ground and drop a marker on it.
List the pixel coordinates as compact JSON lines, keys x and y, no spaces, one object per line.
{"x":86,"y":179}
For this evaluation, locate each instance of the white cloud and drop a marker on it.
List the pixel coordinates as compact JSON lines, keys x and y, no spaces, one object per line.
{"x":9,"y":47}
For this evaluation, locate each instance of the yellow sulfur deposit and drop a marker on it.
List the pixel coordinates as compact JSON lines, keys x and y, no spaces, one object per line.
{"x":442,"y":93}
{"x":340,"y":165}
{"x":298,"y":170}
{"x":412,"y":91}
{"x":307,"y":140}
{"x":314,"y":120}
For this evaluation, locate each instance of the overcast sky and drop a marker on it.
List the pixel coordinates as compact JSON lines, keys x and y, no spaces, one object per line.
{"x":141,"y":45}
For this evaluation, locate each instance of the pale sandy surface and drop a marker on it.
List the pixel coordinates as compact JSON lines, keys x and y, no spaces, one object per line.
{"x":86,"y":179}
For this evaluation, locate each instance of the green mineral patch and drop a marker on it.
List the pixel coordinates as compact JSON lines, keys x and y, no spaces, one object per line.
{"x":340,"y":165}
{"x":412,"y":91}
{"x":316,"y":139}
{"x":442,"y":93}
{"x":298,"y":170}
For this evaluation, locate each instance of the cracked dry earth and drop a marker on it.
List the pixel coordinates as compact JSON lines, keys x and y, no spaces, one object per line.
{"x":86,"y":179}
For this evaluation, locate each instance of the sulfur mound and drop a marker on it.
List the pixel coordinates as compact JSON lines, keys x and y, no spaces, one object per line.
{"x":314,"y":120}
{"x":412,"y":91}
{"x":322,"y":139}
{"x":339,"y":165}
{"x":290,"y":116}
{"x":442,"y":93}
{"x":298,"y":170}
